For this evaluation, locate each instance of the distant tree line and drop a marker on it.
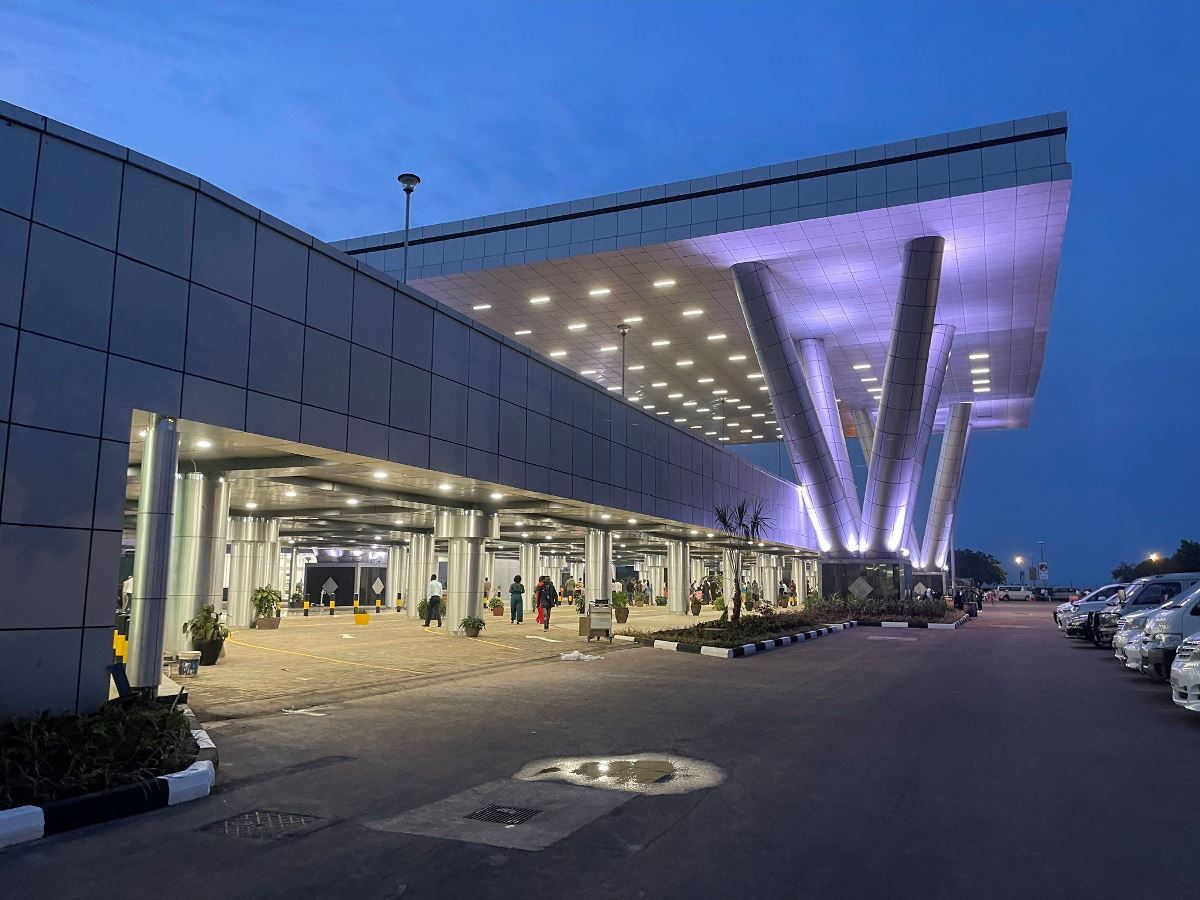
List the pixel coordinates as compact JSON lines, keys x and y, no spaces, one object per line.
{"x":980,"y":567}
{"x":1184,"y":559}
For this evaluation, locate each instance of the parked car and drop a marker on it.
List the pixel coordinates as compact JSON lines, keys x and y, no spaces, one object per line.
{"x":1014,"y":592}
{"x":1126,"y":641}
{"x":1144,"y":594}
{"x":1165,"y":630}
{"x":1185,"y":674}
{"x":1072,"y":617}
{"x":1064,"y":594}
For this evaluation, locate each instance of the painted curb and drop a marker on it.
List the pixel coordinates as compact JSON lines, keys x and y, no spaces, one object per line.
{"x":944,"y":626}
{"x":30,"y":823}
{"x":737,"y":652}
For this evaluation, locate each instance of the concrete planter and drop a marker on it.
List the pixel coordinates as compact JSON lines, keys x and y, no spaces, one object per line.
{"x":266,"y":623}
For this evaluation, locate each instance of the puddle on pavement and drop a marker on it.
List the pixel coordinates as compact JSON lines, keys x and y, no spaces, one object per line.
{"x":638,"y":773}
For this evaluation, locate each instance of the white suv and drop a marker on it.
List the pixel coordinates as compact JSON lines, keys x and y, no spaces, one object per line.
{"x":1014,"y":592}
{"x":1072,"y":617}
{"x":1165,"y":630}
{"x":1185,"y":674}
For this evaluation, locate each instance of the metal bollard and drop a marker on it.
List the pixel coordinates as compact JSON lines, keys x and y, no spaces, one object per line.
{"x":306,"y":609}
{"x":378,"y":606}
{"x":332,"y":606}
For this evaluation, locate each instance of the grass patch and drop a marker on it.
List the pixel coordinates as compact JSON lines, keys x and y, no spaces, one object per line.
{"x":842,"y":609}
{"x":56,"y":757}
{"x":751,"y":628}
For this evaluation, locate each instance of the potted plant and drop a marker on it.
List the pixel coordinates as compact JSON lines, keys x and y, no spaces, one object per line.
{"x":208,"y":634}
{"x":266,"y":602}
{"x":496,"y":605}
{"x":422,"y":609}
{"x":472,"y":625}
{"x":639,"y":598}
{"x":620,"y":605}
{"x":695,"y":605}
{"x":718,"y":603}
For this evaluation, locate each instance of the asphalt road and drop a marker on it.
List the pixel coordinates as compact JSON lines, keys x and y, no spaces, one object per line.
{"x":1000,"y":760}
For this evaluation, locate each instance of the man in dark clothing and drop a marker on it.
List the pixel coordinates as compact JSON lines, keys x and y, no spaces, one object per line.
{"x":547,"y":596}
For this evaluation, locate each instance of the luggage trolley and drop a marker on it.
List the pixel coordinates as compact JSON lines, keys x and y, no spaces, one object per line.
{"x":600,"y":620}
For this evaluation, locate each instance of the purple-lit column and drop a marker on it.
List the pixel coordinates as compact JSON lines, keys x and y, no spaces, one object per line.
{"x":815,"y":363}
{"x":935,"y":376}
{"x":884,"y":501}
{"x":946,"y":485}
{"x":829,"y":508}
{"x":866,"y":431}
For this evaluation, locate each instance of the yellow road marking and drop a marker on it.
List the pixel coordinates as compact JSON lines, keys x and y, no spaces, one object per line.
{"x":344,"y":662}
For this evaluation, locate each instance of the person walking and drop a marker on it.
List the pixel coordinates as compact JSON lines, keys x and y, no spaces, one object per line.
{"x":516,"y":600}
{"x":434,"y":610}
{"x":487,"y":590}
{"x":547,"y":596}
{"x":537,"y":598}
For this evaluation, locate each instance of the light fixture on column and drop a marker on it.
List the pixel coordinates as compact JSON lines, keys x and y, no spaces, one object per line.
{"x":408,"y":181}
{"x":623,"y":330}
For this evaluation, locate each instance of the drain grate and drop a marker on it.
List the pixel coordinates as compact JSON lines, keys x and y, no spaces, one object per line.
{"x":263,"y":823}
{"x":504,"y":815}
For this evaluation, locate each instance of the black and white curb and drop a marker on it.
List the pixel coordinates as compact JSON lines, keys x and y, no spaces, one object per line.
{"x":944,"y":626}
{"x":737,"y":652}
{"x":28,"y":823}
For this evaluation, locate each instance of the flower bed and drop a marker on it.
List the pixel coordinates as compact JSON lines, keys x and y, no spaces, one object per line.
{"x":917,"y":611}
{"x":57,"y":757}
{"x":751,"y":629}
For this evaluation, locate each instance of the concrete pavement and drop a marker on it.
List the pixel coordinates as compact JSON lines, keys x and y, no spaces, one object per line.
{"x":979,"y":763}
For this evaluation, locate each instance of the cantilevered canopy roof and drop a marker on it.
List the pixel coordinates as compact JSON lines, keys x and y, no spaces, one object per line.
{"x":563,"y":278}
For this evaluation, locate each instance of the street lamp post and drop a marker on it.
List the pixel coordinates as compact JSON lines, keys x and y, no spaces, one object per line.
{"x":623,"y":329}
{"x":408,"y":181}
{"x":1020,"y":561}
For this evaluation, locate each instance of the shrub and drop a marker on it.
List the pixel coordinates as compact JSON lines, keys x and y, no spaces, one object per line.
{"x":55,"y":757}
{"x":472,"y":622}
{"x":495,"y":603}
{"x":747,"y":630}
{"x":266,"y":602}
{"x":620,"y":599}
{"x":718,"y":603}
{"x":206,"y":626}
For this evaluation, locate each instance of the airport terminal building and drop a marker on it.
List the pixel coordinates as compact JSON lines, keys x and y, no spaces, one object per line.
{"x":203,"y":392}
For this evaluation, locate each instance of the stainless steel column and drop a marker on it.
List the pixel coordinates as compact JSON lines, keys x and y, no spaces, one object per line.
{"x":892,"y":453}
{"x":392,"y":575}
{"x":489,"y":569}
{"x":553,"y":564}
{"x":830,"y":509}
{"x":152,"y":558}
{"x":465,"y":531}
{"x":421,"y":564}
{"x":797,"y":575}
{"x":598,"y":564}
{"x":731,"y":575}
{"x":530,"y":566}
{"x":656,"y":565}
{"x":197,"y":553}
{"x":815,"y":363}
{"x":768,"y":582}
{"x":935,"y":377}
{"x":946,"y":486}
{"x":678,"y":569}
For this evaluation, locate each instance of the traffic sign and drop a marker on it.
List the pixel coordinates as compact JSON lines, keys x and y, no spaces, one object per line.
{"x":1043,"y":572}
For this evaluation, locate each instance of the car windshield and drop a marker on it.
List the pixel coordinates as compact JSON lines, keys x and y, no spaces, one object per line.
{"x":1131,"y":592}
{"x":1181,"y":598}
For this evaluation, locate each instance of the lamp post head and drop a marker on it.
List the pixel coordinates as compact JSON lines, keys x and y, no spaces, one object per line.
{"x":409,"y":181}
{"x":623,"y":330}
{"x":1020,"y":560}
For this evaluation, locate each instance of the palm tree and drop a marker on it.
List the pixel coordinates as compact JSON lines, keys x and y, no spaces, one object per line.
{"x":746,"y":524}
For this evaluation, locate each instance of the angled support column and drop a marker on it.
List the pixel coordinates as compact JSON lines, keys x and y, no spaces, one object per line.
{"x":152,"y":559}
{"x":884,"y":513}
{"x":935,"y":377}
{"x":829,"y":508}
{"x":866,"y":432}
{"x":815,"y":363}
{"x":946,"y":485}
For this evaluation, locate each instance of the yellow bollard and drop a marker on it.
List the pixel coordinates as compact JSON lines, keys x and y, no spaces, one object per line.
{"x":332,"y":606}
{"x":378,"y":606}
{"x":306,"y":609}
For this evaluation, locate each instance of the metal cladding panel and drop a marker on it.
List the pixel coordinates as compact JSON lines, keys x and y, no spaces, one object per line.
{"x":946,"y":486}
{"x":815,"y":363}
{"x":935,"y":376}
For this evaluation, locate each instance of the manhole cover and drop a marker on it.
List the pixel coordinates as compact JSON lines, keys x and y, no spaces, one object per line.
{"x":263,"y":823}
{"x":504,"y":815}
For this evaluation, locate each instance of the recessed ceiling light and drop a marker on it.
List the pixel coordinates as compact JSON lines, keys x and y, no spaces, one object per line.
{"x":983,"y":390}
{"x":978,"y":356}
{"x":770,"y":422}
{"x":716,"y":337}
{"x":710,"y":433}
{"x":648,"y":406}
{"x":744,"y":406}
{"x":519,"y":522}
{"x":702,"y":409}
{"x":523,"y":332}
{"x":632,"y":320}
{"x":690,"y":403}
{"x":757,"y":437}
{"x":875,"y":390}
{"x":605,"y":516}
{"x":858,"y":367}
{"x":705,"y":380}
{"x":868,"y":380}
{"x":379,"y":474}
{"x":665,"y":282}
{"x":737,"y":357}
{"x":587,"y":372}
{"x":614,"y":387}
{"x":679,"y":420}
{"x":663,"y":342}
{"x":659,"y":384}
{"x":722,"y":438}
{"x":142,"y":433}
{"x":693,"y":312}
{"x":758,"y":415}
{"x":289,"y":493}
{"x":537,"y":300}
{"x":980,"y":371}
{"x":599,"y":292}
{"x":675,"y":396}
{"x":663,"y":412}
{"x":694,"y":427}
{"x":762,"y":387}
{"x":479,"y":307}
{"x":398,"y":522}
{"x":631,"y":521}
{"x":524,"y":534}
{"x":754,"y":375}
{"x":250,"y":504}
{"x":636,"y":368}
{"x":745,"y":430}
{"x":683,"y":363}
{"x":577,"y":326}
{"x":352,"y":501}
{"x":445,"y":487}
{"x":203,"y":445}
{"x":721,"y":391}
{"x":715,"y":418}
{"x":982,"y":381}
{"x":609,"y":349}
{"x":497,"y":496}
{"x":557,"y":354}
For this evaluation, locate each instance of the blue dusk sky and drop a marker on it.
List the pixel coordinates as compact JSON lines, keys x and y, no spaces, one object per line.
{"x":310,"y":109}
